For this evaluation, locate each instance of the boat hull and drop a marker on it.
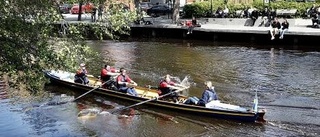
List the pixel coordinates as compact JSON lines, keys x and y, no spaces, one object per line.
{"x":183,"y":108}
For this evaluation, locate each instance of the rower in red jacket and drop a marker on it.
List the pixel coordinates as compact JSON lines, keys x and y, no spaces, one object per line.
{"x":107,"y":75}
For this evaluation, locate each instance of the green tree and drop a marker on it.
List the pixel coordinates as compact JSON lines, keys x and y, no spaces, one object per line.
{"x":30,"y":43}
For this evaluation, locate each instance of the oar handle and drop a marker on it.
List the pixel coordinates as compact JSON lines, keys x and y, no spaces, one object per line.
{"x":90,"y":90}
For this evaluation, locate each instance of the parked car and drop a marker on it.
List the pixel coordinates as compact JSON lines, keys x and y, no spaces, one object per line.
{"x":65,"y":8}
{"x":75,"y":9}
{"x":88,"y":7}
{"x":159,"y":9}
{"x":144,"y":6}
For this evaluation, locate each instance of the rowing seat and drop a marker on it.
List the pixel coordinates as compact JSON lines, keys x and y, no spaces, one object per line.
{"x":94,"y":81}
{"x":147,"y":93}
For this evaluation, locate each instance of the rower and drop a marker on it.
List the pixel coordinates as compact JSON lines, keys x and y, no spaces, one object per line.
{"x":107,"y":75}
{"x":125,"y":84}
{"x":81,"y":75}
{"x":166,"y":86}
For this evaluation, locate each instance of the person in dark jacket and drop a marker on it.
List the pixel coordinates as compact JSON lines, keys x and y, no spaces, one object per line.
{"x":265,"y":17}
{"x":275,"y":28}
{"x":284,"y":28}
{"x":254,"y":16}
{"x":81,"y":75}
{"x":208,"y":95}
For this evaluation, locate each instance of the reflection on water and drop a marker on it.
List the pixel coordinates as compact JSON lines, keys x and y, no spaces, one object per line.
{"x":287,"y":83}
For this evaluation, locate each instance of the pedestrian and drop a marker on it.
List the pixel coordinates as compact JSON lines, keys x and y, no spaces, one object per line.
{"x":100,"y":10}
{"x":93,"y":14}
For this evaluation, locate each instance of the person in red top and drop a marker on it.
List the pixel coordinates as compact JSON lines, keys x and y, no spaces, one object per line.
{"x":166,"y":86}
{"x":124,"y":81}
{"x":107,"y":75}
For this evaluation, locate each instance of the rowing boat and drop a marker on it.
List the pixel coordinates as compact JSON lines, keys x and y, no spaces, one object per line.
{"x":214,"y":109}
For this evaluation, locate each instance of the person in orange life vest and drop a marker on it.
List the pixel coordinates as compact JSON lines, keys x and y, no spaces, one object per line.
{"x":124,"y":81}
{"x":81,"y":75}
{"x":166,"y":86}
{"x":107,"y":74}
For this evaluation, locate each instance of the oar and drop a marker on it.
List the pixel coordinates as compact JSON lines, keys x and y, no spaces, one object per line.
{"x":90,"y":91}
{"x":148,"y":100}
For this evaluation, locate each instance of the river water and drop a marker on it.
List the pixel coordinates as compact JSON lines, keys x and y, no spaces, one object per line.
{"x":287,"y":83}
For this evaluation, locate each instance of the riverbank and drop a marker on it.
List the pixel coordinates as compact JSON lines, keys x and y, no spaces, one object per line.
{"x":300,"y":34}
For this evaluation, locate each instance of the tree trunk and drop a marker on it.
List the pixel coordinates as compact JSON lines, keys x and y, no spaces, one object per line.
{"x":176,"y":7}
{"x":136,"y":3}
{"x":80,"y":11}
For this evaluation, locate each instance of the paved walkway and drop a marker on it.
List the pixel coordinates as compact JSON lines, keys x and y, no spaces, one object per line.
{"x":227,"y":25}
{"x":298,"y":27}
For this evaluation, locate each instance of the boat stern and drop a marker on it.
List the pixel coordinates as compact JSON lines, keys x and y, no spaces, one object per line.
{"x":260,"y":117}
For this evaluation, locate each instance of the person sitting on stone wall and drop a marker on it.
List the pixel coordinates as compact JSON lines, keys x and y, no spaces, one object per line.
{"x":275,"y":26}
{"x":192,"y":25}
{"x":284,"y":28}
{"x":265,"y":17}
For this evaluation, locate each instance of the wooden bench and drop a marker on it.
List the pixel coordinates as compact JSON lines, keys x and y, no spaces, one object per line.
{"x":288,"y":13}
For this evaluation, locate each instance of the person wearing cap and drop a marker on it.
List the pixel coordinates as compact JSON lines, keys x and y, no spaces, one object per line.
{"x":208,"y":95}
{"x":107,"y":73}
{"x":125,"y":84}
{"x":81,"y":75}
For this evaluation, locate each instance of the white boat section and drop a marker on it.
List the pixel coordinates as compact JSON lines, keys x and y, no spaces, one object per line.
{"x":216,"y":104}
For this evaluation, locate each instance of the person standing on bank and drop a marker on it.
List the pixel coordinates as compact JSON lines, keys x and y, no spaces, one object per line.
{"x":81,"y":75}
{"x":100,"y":10}
{"x":93,"y":14}
{"x":125,"y":84}
{"x":284,"y":28}
{"x":208,"y":95}
{"x":107,"y":74}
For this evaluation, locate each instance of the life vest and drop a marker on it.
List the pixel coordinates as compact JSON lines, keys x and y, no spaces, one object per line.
{"x":81,"y":72}
{"x":164,"y":90}
{"x":123,"y":79}
{"x":104,"y":75}
{"x":81,"y":77}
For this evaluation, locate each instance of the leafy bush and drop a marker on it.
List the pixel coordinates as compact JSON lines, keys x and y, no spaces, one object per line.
{"x":201,"y":9}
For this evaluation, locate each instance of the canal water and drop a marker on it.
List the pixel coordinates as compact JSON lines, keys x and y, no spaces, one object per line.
{"x":286,"y":81}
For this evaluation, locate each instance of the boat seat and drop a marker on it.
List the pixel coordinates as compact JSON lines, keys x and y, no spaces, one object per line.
{"x":147,"y":93}
{"x":94,"y":82}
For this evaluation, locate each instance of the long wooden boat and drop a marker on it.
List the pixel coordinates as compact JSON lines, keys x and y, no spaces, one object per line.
{"x":212,"y":110}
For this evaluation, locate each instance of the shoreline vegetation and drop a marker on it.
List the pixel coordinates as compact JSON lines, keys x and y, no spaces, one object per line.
{"x":25,"y":38}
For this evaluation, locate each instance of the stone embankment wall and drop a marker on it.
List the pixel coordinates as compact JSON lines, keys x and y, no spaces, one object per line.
{"x":299,"y":36}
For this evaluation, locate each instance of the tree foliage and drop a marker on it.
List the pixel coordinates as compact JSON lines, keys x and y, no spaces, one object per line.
{"x":30,"y":43}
